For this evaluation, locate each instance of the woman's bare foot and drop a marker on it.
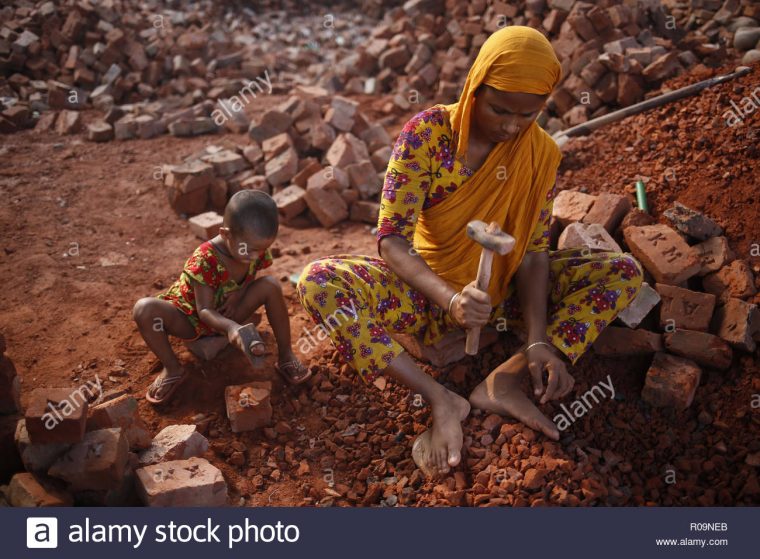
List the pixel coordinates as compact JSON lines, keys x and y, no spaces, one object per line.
{"x":207,"y":347}
{"x":439,"y":449}
{"x":501,"y":393}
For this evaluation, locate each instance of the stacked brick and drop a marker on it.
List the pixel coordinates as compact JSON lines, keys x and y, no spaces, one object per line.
{"x":76,"y":451}
{"x":160,"y":66}
{"x":317,"y":155}
{"x":695,"y":308}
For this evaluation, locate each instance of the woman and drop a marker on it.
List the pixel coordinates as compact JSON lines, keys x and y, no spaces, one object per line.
{"x":484,"y":158}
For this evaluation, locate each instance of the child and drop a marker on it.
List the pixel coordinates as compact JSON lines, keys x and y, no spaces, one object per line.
{"x":216,"y":293}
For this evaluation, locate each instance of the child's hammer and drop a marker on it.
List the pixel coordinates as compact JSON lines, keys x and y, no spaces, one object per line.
{"x":492,"y":239}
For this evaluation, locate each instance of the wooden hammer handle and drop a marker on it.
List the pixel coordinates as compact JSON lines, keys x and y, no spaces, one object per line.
{"x":482,"y":281}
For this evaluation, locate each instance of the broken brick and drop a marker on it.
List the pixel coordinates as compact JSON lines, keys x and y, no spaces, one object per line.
{"x":683,"y":308}
{"x":282,"y":168}
{"x":703,"y":348}
{"x":737,"y":322}
{"x":290,"y":201}
{"x":225,"y":162}
{"x":206,"y":225}
{"x":27,"y":490}
{"x":364,"y":211}
{"x":714,"y":253}
{"x":275,"y":145}
{"x":616,"y":341}
{"x":593,"y":236}
{"x":248,"y":405}
{"x":692,"y":223}
{"x":96,"y":463}
{"x":608,"y":211}
{"x":36,"y":457}
{"x":271,"y":123}
{"x":330,"y":177}
{"x":571,"y":206}
{"x":327,"y":205}
{"x":734,"y":280}
{"x":182,"y":483}
{"x":345,"y":150}
{"x":99,"y":131}
{"x":671,"y":381}
{"x":69,"y":122}
{"x":663,"y":252}
{"x":646,"y":300}
{"x":56,"y":415}
{"x":364,"y":179}
{"x":341,"y":113}
{"x":175,"y":442}
{"x":120,"y":411}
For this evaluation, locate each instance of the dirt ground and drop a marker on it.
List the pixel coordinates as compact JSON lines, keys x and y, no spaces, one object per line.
{"x":86,"y":230}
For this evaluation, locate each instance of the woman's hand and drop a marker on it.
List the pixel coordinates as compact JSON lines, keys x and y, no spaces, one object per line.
{"x":472,"y":308}
{"x":560,"y":383}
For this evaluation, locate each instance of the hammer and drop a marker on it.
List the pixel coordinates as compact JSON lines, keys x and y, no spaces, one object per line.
{"x":492,"y":239}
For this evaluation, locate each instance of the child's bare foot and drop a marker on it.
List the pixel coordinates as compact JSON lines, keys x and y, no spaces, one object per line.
{"x":164,"y":386}
{"x":501,"y":393}
{"x":207,"y":347}
{"x":439,"y":449}
{"x":292,"y":370}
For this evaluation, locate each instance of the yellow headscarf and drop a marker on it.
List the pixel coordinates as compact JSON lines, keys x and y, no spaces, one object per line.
{"x":511,"y":185}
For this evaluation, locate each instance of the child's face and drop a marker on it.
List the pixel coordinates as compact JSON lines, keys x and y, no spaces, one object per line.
{"x":246,"y":246}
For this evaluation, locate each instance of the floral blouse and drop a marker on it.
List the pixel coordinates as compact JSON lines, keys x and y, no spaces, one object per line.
{"x":423,"y":171}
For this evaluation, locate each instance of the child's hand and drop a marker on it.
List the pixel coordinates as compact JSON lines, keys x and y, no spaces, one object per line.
{"x":234,"y":337}
{"x":230,"y":303}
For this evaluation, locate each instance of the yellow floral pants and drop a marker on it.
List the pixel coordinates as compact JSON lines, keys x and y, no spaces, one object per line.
{"x":359,"y":301}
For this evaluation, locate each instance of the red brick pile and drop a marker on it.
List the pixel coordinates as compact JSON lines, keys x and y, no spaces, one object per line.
{"x":160,"y":66}
{"x":612,"y":52}
{"x":320,"y":158}
{"x":693,"y":310}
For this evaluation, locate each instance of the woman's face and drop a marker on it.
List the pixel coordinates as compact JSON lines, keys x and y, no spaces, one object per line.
{"x":500,"y":116}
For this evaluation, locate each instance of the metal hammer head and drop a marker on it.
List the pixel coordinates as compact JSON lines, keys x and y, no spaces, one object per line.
{"x":490,"y":236}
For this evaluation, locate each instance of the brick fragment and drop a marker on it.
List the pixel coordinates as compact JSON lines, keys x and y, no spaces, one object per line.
{"x":36,"y":457}
{"x":671,"y":381}
{"x":646,"y":300}
{"x":692,"y":223}
{"x":365,"y":211}
{"x":703,"y":348}
{"x":330,"y":177}
{"x":182,"y":483}
{"x":683,"y":308}
{"x":271,"y":123}
{"x":120,"y":411}
{"x":364,"y":178}
{"x":96,"y":463}
{"x":69,"y":122}
{"x":206,"y":225}
{"x":248,"y":405}
{"x":608,"y":211}
{"x":99,"y":131}
{"x":27,"y":490}
{"x":714,"y":253}
{"x":663,"y":252}
{"x":737,"y":322}
{"x":282,"y":168}
{"x":734,"y":280}
{"x":175,"y":442}
{"x":616,"y":341}
{"x":345,"y":150}
{"x":593,"y":236}
{"x":225,"y":162}
{"x":571,"y":206}
{"x":327,"y":205}
{"x":290,"y":201}
{"x":56,"y":415}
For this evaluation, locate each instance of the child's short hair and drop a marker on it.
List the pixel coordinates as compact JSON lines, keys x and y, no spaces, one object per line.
{"x":252,"y":211}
